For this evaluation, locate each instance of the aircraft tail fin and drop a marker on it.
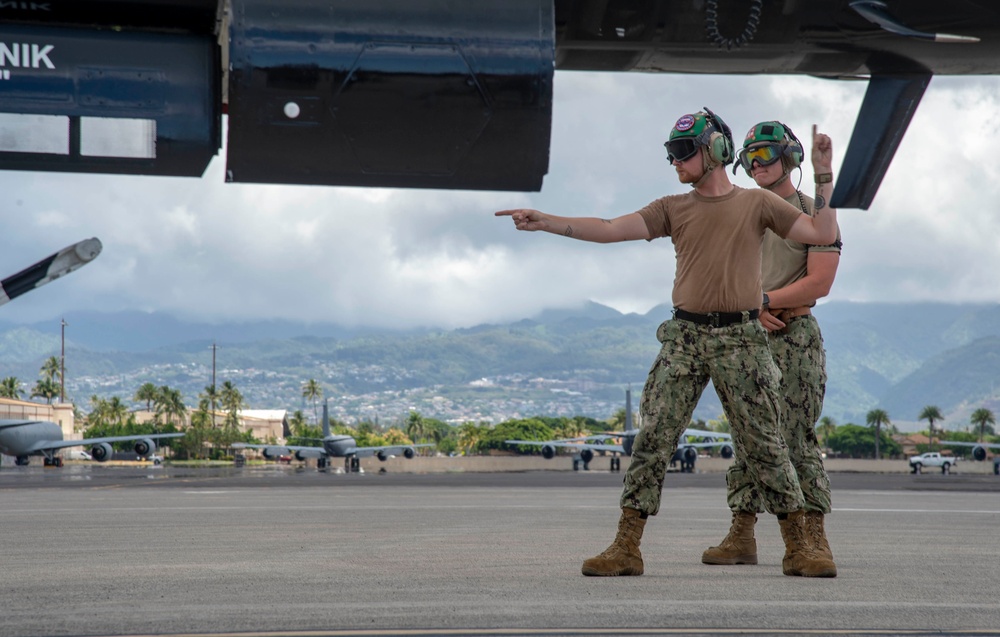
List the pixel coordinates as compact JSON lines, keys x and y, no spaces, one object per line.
{"x":628,"y":410}
{"x":326,"y":419}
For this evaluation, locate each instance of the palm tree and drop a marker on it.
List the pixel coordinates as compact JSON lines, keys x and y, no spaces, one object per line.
{"x":47,"y":389}
{"x":51,"y":369}
{"x":982,"y":417}
{"x":297,"y":422}
{"x":312,"y":391}
{"x":147,"y":394}
{"x":827,"y":426}
{"x":211,"y":396}
{"x":415,"y":426}
{"x":469,"y":436}
{"x":10,"y":387}
{"x":232,"y":402}
{"x":931,"y":413}
{"x":115,"y":412}
{"x":172,"y":404}
{"x":877,"y":418}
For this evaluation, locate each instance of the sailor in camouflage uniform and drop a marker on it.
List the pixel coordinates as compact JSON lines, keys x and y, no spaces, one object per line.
{"x":794,"y":276}
{"x":714,"y":334}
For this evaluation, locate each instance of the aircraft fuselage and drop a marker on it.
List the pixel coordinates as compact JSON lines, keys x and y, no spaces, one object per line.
{"x":339,"y":446}
{"x":19,"y":440}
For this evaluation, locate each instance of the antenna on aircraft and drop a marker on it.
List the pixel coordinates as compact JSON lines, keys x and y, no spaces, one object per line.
{"x":49,"y":269}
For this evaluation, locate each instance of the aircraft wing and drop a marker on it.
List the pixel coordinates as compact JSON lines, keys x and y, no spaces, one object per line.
{"x":979,"y":449}
{"x":955,"y":443}
{"x":568,"y":445}
{"x":282,"y":449}
{"x":701,"y":433}
{"x":389,"y":450}
{"x":51,"y":445}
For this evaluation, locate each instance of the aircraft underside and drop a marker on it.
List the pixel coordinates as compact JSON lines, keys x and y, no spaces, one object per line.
{"x":426,"y":93}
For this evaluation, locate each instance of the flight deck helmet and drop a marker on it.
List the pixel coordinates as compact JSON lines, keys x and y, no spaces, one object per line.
{"x":766,"y":143}
{"x":703,"y":128}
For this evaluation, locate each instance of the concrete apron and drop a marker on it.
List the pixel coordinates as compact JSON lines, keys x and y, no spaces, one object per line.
{"x":565,"y":463}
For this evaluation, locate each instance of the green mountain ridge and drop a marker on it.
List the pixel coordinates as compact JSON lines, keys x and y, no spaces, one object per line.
{"x":899,"y":357}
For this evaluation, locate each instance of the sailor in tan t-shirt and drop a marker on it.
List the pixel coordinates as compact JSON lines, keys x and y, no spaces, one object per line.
{"x":717,"y":230}
{"x":795,"y":275}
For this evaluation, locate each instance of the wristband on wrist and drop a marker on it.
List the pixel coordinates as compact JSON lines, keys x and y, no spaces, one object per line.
{"x":823,"y":178}
{"x":765,"y":302}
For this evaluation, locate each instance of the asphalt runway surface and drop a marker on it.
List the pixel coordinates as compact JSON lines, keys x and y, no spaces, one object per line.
{"x":276,"y":550}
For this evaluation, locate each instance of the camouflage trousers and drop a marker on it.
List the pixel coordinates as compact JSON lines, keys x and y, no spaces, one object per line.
{"x":737,"y":361}
{"x":800,"y":357}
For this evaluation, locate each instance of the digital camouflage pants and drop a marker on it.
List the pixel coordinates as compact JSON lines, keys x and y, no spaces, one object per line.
{"x":737,"y":360}
{"x":800,"y":357}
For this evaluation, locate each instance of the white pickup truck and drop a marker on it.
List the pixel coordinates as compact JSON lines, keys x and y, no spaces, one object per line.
{"x":932,"y":459}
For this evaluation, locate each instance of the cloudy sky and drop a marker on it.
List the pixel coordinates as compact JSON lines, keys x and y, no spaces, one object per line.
{"x":205,"y":250}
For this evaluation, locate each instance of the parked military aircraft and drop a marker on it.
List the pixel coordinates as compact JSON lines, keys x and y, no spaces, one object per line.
{"x":49,"y":269}
{"x":429,"y":93}
{"x":334,"y":446}
{"x":686,"y":453}
{"x":979,"y":449}
{"x":25,"y":438}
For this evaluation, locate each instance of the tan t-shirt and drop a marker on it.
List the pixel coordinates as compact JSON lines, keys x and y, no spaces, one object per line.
{"x":717,"y":244}
{"x":784,"y":260}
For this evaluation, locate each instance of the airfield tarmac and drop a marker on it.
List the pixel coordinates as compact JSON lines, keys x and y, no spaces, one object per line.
{"x":278,"y":550}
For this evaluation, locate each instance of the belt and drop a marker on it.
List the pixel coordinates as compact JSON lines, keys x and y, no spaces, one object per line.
{"x":787,"y":314}
{"x":716,"y":319}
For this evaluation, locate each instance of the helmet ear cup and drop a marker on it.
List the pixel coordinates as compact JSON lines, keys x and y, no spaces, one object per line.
{"x":720,"y":141}
{"x":720,"y":148}
{"x":793,"y":148}
{"x":793,"y":154}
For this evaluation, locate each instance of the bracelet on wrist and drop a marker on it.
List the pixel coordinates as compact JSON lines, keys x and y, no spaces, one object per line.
{"x":823,"y":178}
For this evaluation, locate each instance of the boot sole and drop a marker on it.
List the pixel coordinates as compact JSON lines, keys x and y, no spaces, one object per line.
{"x":593,"y":572}
{"x":722,"y":561}
{"x":824,"y":573}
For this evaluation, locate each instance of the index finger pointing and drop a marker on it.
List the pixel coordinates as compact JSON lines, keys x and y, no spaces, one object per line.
{"x":814,"y":130}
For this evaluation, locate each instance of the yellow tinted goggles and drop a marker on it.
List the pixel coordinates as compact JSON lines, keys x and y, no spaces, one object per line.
{"x":763,"y":155}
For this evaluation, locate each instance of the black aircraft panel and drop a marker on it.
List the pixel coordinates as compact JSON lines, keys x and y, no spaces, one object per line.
{"x":85,"y":100}
{"x":431,"y":93}
{"x":437,"y":94}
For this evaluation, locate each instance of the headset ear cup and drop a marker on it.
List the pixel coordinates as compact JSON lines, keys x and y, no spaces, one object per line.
{"x":719,"y":148}
{"x":794,"y":153}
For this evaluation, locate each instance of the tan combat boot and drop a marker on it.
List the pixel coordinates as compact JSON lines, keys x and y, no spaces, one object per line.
{"x":739,"y":547}
{"x":801,"y":558}
{"x":817,"y":533}
{"x":622,"y":557}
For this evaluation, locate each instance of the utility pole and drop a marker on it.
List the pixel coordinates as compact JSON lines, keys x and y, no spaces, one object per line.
{"x":213,"y":385}
{"x":62,"y":365}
